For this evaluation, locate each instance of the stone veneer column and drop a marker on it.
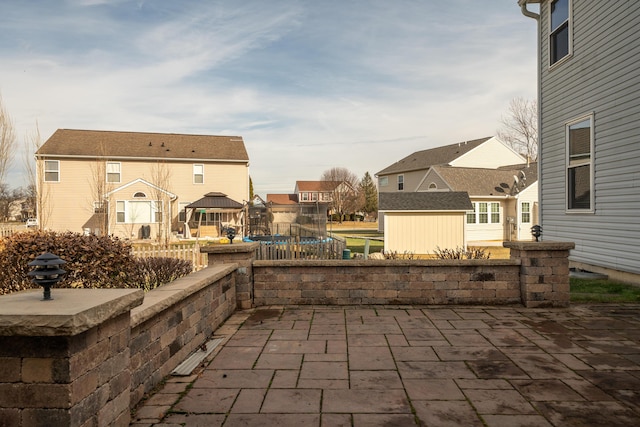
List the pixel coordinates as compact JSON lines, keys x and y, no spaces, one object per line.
{"x":544,"y":272}
{"x":65,"y":362}
{"x":243,"y":254}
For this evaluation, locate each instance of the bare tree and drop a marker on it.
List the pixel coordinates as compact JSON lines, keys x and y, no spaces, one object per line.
{"x":161,"y":178}
{"x":38,"y":194}
{"x":344,"y":187}
{"x":520,"y":127}
{"x":7,"y":141}
{"x":100,"y":187}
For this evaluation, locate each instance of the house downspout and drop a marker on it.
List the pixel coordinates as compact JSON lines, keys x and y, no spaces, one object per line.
{"x":526,"y":12}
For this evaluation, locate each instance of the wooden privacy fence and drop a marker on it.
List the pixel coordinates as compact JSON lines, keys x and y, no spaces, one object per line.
{"x":297,"y":248}
{"x":187,"y":252}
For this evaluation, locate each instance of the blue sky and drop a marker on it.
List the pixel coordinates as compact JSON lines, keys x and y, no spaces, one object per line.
{"x":308,"y":84}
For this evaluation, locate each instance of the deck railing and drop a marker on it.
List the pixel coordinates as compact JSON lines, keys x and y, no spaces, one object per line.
{"x":295,"y":248}
{"x":189,"y":252}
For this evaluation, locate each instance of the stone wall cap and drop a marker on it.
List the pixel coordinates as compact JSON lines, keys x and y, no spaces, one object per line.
{"x":70,"y":312}
{"x":240,"y":247}
{"x":386,"y":262}
{"x":540,"y":246}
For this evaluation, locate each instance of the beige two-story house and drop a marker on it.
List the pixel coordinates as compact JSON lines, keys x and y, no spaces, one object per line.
{"x":135,"y":184}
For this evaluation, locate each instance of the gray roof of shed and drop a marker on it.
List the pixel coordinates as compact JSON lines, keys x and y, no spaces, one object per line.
{"x":425,"y":201}
{"x":215,"y":200}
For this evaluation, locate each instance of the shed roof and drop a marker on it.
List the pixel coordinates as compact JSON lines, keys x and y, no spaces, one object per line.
{"x":435,"y":156}
{"x":116,"y":144}
{"x":425,"y":201}
{"x":317,"y":185}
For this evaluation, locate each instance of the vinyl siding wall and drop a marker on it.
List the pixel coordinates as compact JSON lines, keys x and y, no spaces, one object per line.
{"x":69,"y":203}
{"x":422,"y":232}
{"x":602,"y":77}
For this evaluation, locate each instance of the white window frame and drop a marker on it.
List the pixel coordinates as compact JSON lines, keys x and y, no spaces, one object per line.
{"x":48,"y":170}
{"x":580,"y":163}
{"x":117,"y":171}
{"x":475,"y":216}
{"x":123,"y":212}
{"x":198,"y":171}
{"x":524,"y":212}
{"x":401,"y":182}
{"x":553,"y":32}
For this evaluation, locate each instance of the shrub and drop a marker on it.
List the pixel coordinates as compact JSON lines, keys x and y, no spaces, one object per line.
{"x":91,"y":261}
{"x":397,"y":255}
{"x":461,"y":253}
{"x":155,"y":272}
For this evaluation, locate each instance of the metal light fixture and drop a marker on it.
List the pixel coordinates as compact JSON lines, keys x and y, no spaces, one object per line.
{"x":46,"y":272}
{"x":231,"y":234}
{"x":536,"y":231}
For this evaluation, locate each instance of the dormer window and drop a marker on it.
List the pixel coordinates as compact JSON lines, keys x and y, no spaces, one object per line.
{"x":433,"y":186}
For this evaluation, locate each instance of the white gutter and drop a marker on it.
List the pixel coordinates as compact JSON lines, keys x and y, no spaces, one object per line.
{"x":526,"y":12}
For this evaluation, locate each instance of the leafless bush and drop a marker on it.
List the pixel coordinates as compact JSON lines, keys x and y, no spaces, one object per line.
{"x":461,"y":253}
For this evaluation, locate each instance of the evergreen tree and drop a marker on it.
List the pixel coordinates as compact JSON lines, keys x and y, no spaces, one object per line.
{"x":368,"y":188}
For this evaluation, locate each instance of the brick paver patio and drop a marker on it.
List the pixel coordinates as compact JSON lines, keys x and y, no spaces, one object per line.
{"x":407,"y":366}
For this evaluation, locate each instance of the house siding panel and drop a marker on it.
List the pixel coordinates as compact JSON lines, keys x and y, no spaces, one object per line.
{"x":602,"y":77}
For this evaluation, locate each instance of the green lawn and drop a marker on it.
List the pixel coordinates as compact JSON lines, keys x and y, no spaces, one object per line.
{"x":600,"y":290}
{"x":356,"y":240}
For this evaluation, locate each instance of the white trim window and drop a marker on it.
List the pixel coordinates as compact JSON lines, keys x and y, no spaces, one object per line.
{"x":113,"y":172}
{"x":52,"y":170}
{"x":138,"y":211}
{"x":400,"y":182}
{"x":525,"y":212}
{"x":484,"y":213}
{"x":559,"y":30}
{"x":579,"y":136}
{"x":198,"y":174}
{"x":384,"y":181}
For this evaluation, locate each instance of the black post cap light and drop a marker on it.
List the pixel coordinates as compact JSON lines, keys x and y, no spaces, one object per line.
{"x":46,"y":272}
{"x":536,"y":231}
{"x":231,"y":234}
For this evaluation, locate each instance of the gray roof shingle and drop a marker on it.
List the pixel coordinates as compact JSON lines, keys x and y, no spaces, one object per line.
{"x":488,"y":182}
{"x":115,"y":144}
{"x":425,"y":201}
{"x":435,"y":156}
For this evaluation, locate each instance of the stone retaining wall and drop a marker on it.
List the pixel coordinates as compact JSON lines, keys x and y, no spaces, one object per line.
{"x":387,"y":282}
{"x":175,"y":320}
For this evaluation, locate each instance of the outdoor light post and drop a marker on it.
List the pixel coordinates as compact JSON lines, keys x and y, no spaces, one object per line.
{"x":536,"y":231}
{"x":46,"y":272}
{"x":231,"y":234}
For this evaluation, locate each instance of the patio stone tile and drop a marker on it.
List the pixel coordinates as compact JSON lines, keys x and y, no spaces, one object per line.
{"x":610,"y":414}
{"x":469,"y":324}
{"x":474,"y":315}
{"x":289,"y":335}
{"x":469,"y":353}
{"x":297,"y":314}
{"x":383,"y":420}
{"x":423,"y":334}
{"x":397,"y":340}
{"x":499,"y":402}
{"x":335,"y":420}
{"x":322,"y":384}
{"x":279,"y":361}
{"x":442,"y":324}
{"x":415,"y":322}
{"x":236,"y":358}
{"x":546,"y":390}
{"x":280,"y":420}
{"x":515,"y":421}
{"x":269,"y":325}
{"x":324,"y":370}
{"x":326,"y":357}
{"x":285,"y":379}
{"x":249,"y":401}
{"x":234,"y":378}
{"x":365,"y":401}
{"x":431,"y":343}
{"x":336,"y":346}
{"x":328,"y":337}
{"x":295,"y":347}
{"x":612,"y":380}
{"x":587,"y":390}
{"x":608,"y":362}
{"x":484,"y":384}
{"x":327,"y":329}
{"x":446,"y":413}
{"x":441,"y":389}
{"x":370,"y":340}
{"x":441,"y":314}
{"x":496,"y":369}
{"x":370,"y":358}
{"x":572,"y":362}
{"x":207,"y":400}
{"x":505,"y":324}
{"x":378,"y":328}
{"x":302,"y":324}
{"x":414,"y":354}
{"x":542,"y":366}
{"x":196,"y":420}
{"x":559,"y":344}
{"x":464,"y":338}
{"x":328,"y":317}
{"x":375,"y":380}
{"x":434,"y":370}
{"x":248,"y":340}
{"x":292,"y":401}
{"x":505,"y":337}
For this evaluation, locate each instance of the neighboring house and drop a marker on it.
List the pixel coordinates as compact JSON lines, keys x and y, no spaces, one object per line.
{"x":284,"y":207}
{"x":315,"y":191}
{"x":134,"y":184}
{"x":500,"y":184}
{"x":420,"y":223}
{"x":589,"y":155}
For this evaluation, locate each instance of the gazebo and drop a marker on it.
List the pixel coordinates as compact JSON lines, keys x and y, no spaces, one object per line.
{"x":208,"y":216}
